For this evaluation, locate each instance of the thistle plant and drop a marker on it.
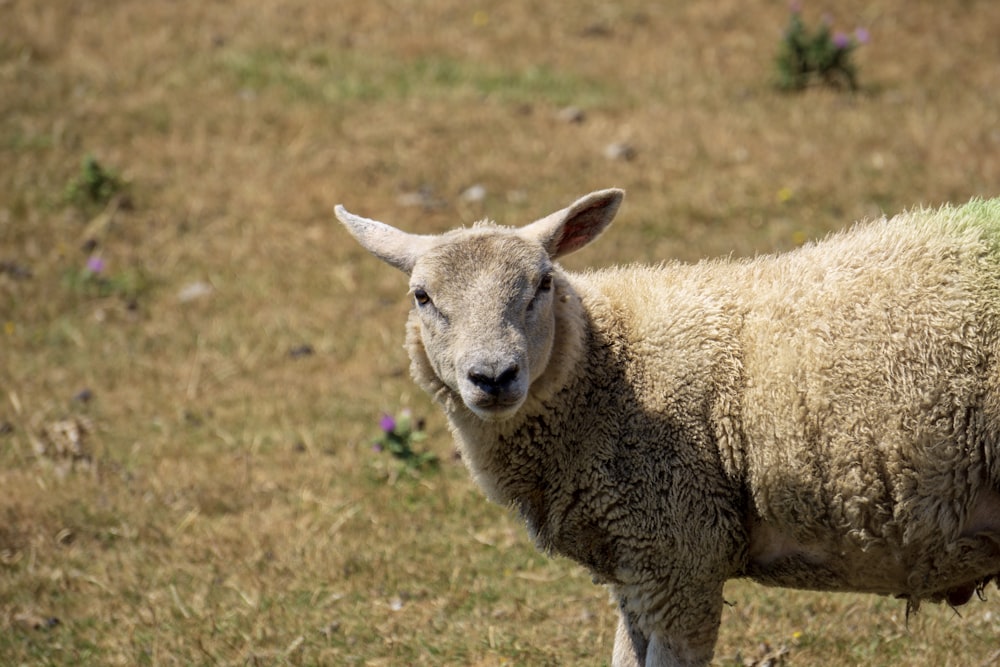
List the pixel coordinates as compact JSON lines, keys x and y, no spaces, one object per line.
{"x":398,"y":436}
{"x":95,"y":184}
{"x":806,"y":55}
{"x":95,"y":279}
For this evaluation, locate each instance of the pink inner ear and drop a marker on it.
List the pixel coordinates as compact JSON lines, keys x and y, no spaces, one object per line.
{"x":575,"y":238}
{"x":583,"y":227}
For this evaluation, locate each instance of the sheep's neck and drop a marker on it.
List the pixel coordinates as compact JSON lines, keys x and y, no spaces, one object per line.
{"x":507,"y":459}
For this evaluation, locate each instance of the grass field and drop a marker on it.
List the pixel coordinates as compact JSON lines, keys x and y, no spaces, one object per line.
{"x":194,"y":357}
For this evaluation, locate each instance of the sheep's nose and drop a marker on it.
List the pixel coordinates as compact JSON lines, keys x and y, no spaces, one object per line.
{"x":493,"y":383}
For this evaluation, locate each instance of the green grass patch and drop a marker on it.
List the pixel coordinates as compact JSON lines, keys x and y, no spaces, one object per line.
{"x":347,"y":77}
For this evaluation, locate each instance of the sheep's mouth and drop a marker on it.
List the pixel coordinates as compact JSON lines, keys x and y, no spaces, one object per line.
{"x":494,"y":407}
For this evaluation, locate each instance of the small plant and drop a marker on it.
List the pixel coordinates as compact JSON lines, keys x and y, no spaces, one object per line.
{"x":398,"y":436}
{"x":95,"y":279}
{"x":96,"y":185}
{"x":805,"y":55}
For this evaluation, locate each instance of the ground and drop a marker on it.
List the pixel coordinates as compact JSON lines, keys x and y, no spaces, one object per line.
{"x":195,"y":357}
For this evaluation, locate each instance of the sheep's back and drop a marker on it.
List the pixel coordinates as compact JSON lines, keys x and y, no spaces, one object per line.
{"x":869,"y":406}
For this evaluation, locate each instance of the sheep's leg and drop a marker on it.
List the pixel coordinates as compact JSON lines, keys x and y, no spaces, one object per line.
{"x":689,"y":642}
{"x":660,"y":654}
{"x":634,"y":650}
{"x":630,"y":644}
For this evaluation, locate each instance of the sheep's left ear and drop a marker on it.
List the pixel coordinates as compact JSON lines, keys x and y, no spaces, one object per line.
{"x":578,"y":224}
{"x":391,"y":245}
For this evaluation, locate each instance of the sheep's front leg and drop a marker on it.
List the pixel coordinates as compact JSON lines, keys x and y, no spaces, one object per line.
{"x":630,"y":644}
{"x":634,"y":650}
{"x":687,"y":641}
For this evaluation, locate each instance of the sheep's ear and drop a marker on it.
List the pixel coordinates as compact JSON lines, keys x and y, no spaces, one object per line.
{"x":577,"y":225}
{"x":389,"y":244}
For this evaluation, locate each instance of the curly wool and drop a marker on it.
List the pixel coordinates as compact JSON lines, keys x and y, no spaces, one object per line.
{"x":826,"y":419}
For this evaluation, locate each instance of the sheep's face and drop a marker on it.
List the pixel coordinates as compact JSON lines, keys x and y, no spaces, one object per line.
{"x":487,"y":322}
{"x":484,"y":296}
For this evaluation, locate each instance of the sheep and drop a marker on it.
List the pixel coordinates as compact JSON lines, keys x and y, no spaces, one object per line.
{"x":824,"y":419}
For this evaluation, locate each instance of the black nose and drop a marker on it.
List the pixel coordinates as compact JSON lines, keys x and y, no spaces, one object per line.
{"x":493,"y":384}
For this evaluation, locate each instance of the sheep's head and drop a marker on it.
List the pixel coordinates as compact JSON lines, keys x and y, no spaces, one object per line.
{"x":484,"y":296}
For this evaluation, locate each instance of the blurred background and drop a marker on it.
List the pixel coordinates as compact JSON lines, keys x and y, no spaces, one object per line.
{"x":210,"y":448}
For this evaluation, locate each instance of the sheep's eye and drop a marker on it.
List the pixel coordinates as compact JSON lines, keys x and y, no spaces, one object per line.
{"x":544,"y":285}
{"x":421,"y":297}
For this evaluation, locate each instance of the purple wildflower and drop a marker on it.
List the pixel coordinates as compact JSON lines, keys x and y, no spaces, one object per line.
{"x":377,"y":447}
{"x":95,"y":264}
{"x":841,"y":41}
{"x":387,"y":424}
{"x":795,"y":6}
{"x":861,"y":34}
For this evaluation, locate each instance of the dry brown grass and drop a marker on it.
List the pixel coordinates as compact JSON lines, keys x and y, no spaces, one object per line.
{"x":222,"y":504}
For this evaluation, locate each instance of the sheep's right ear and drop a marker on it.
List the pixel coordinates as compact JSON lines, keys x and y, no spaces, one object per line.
{"x":578,"y":224}
{"x":389,"y":244}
